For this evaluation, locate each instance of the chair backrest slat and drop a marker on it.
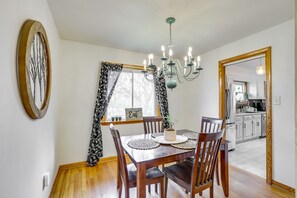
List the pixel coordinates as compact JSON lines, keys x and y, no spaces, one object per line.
{"x":120,"y":153}
{"x":206,"y":155}
{"x":153,"y":124}
{"x":211,"y":125}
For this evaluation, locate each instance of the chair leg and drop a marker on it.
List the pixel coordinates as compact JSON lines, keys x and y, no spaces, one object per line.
{"x":156,"y":188}
{"x":200,"y":193}
{"x":162,"y":193}
{"x":149,"y":188}
{"x":127,"y":195}
{"x":119,"y":187}
{"x":211,"y":192}
{"x":166,"y":184}
{"x":217,"y":173}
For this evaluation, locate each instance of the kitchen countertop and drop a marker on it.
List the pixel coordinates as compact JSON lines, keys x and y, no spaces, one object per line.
{"x":255,"y":113}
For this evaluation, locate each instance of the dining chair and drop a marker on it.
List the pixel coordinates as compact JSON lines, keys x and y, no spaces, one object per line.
{"x":127,"y":173}
{"x":198,"y":176}
{"x":211,"y":125}
{"x":153,"y":124}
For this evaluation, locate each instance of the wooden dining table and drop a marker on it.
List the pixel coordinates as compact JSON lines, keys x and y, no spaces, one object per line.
{"x":165,"y":153}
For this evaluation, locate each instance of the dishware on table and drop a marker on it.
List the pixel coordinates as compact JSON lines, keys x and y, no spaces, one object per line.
{"x":179,"y":139}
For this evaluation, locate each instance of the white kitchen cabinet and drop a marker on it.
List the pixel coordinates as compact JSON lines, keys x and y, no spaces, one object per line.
{"x":239,"y":128}
{"x":248,"y":127}
{"x":256,"y":90}
{"x":256,"y":125}
{"x":252,"y":90}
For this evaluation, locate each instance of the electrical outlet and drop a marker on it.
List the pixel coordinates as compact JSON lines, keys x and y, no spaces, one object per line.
{"x":46,"y":180}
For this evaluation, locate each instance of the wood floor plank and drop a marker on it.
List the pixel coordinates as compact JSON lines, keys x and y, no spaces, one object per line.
{"x":100,"y":182}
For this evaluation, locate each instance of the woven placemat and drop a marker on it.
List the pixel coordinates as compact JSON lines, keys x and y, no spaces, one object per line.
{"x":154,"y":135}
{"x":188,"y":145}
{"x":143,"y":144}
{"x":191,"y":135}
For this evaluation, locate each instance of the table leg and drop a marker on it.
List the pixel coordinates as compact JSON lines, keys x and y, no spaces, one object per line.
{"x":225,"y":169}
{"x":141,"y":171}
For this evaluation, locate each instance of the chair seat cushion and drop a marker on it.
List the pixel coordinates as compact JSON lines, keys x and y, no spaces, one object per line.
{"x":181,"y":171}
{"x":151,"y":173}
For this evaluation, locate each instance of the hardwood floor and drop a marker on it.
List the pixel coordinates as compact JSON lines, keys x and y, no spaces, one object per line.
{"x":100,"y":182}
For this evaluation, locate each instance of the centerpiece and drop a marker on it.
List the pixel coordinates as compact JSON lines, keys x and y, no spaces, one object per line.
{"x":169,"y":133}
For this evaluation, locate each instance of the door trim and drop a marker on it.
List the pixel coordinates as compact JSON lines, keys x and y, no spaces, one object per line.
{"x":267,"y":52}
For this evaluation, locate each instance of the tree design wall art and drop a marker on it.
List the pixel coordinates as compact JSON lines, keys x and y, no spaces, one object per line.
{"x":34,"y":74}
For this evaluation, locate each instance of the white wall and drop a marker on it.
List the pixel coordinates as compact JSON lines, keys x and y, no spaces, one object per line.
{"x":27,"y":147}
{"x":80,"y":67}
{"x":204,"y":92}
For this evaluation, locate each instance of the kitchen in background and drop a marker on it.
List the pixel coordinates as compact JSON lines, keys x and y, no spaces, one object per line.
{"x":246,"y":114}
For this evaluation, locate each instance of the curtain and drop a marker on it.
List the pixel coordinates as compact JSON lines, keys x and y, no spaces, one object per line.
{"x":108,"y":79}
{"x":161,"y":93}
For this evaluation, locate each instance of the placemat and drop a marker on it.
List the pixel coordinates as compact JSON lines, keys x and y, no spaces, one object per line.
{"x":143,"y":144}
{"x":154,"y":135}
{"x":191,"y":135}
{"x":188,"y":145}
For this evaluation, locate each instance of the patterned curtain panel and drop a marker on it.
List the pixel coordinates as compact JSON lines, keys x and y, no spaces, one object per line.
{"x":161,"y":93}
{"x":108,"y":79}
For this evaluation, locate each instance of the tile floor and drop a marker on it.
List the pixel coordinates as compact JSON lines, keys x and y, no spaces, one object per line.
{"x":250,"y":156}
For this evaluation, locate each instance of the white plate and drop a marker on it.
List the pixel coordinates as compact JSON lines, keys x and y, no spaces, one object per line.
{"x":179,"y":139}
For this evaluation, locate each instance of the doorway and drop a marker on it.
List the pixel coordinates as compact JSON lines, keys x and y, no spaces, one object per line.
{"x":266,"y":53}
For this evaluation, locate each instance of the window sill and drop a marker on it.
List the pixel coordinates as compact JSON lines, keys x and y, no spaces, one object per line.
{"x":106,"y":123}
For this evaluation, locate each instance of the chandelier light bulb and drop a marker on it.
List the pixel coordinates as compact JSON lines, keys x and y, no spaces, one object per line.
{"x":198,"y":59}
{"x":170,"y":53}
{"x":163,"y":48}
{"x":190,"y":49}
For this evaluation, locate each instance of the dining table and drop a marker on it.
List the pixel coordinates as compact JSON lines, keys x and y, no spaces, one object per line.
{"x":166,"y":153}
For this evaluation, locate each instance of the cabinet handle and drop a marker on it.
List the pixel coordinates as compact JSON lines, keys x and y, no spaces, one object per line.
{"x":236,"y":127}
{"x":243,"y":125}
{"x":258,"y":124}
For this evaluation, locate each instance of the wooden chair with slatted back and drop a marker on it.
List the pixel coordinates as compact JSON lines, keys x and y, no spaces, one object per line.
{"x":127,"y":173}
{"x":211,"y":125}
{"x":198,"y":176}
{"x":153,"y":124}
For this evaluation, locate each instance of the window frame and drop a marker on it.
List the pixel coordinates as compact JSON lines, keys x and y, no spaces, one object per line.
{"x":104,"y":122}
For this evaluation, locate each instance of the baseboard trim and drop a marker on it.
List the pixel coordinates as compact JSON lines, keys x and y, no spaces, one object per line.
{"x":283,"y":186}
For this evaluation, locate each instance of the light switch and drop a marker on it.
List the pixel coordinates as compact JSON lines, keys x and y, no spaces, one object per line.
{"x":276,"y":100}
{"x":46,"y":180}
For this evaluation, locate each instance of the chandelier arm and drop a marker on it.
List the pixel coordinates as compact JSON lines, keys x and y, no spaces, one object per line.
{"x":192,"y":78}
{"x":180,"y":67}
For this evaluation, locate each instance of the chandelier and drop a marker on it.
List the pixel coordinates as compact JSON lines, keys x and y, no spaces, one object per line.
{"x":260,"y":69}
{"x":170,"y":67}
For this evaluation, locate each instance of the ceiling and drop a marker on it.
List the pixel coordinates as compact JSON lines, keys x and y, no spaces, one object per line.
{"x":139,"y":25}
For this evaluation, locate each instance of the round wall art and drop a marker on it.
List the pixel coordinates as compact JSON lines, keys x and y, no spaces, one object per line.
{"x":34,"y":69}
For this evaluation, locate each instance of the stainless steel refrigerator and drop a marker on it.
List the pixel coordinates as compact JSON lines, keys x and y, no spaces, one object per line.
{"x":230,"y":111}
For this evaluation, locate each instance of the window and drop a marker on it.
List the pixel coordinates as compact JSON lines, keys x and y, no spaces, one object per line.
{"x":132,"y":91}
{"x":240,"y":90}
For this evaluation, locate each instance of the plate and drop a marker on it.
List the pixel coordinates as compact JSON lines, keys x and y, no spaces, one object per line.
{"x":179,"y":139}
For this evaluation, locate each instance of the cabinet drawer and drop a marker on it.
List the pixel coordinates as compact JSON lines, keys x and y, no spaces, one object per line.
{"x":256,"y":116}
{"x":245,"y":118}
{"x":239,"y":118}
